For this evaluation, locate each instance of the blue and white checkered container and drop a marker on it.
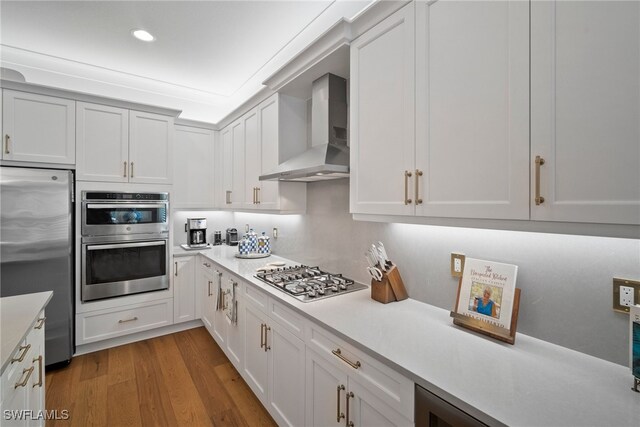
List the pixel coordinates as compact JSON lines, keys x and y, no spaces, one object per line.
{"x":244,"y":246}
{"x":253,"y":241}
{"x":264,"y":245}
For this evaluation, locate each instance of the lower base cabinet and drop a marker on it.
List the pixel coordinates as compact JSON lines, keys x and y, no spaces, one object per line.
{"x":23,"y":382}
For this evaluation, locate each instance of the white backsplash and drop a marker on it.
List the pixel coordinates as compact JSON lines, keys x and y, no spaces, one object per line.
{"x":566,"y":280}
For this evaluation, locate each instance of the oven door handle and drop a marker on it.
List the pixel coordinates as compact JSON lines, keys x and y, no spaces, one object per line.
{"x":126,"y":245}
{"x":125,"y":205}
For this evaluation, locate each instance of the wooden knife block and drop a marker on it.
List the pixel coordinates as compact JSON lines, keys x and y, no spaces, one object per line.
{"x":390,"y":288}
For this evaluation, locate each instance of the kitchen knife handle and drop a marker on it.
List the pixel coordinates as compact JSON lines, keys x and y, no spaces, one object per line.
{"x":339,"y":415}
{"x":407,"y":175}
{"x":418,"y":175}
{"x":7,"y":141}
{"x":539,"y":199}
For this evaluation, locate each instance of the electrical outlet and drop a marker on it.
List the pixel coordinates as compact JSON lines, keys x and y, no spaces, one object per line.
{"x":457,"y":264}
{"x":275,"y":233}
{"x":626,"y":293}
{"x":626,"y":296}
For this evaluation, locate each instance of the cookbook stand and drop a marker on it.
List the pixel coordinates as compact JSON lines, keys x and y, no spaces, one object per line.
{"x":390,"y":288}
{"x":486,"y":328}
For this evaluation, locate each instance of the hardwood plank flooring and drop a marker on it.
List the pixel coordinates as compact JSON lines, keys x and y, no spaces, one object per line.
{"x":183,"y":379}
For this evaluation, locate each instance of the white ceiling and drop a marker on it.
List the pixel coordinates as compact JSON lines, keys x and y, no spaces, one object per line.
{"x":208,"y":56}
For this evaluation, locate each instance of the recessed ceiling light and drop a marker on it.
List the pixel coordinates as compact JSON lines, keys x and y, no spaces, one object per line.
{"x":143,"y":35}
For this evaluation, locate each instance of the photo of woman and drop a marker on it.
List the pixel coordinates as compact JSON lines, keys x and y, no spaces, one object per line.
{"x":485,"y":299}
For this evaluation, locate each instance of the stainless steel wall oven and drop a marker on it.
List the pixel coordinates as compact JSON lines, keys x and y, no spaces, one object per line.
{"x":125,"y":243}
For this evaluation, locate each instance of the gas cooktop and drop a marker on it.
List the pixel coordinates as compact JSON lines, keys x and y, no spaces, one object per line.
{"x":308,"y":283}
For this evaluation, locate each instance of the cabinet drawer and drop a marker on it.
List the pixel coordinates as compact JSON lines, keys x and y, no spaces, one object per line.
{"x":111,"y":323}
{"x":287,"y":318}
{"x":382,"y":381}
{"x":255,"y":297}
{"x":207,"y":266}
{"x":14,"y":370}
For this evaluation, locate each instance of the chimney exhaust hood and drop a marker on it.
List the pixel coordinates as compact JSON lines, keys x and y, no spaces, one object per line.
{"x":328,"y":157}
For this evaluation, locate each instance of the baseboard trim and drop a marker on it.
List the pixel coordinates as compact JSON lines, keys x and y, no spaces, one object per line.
{"x":140,"y":336}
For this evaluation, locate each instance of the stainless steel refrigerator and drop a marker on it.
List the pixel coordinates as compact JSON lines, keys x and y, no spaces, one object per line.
{"x":36,"y":247}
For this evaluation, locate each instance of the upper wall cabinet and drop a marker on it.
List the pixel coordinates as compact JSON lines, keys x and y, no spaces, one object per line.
{"x":382,"y":136}
{"x":472,"y":109}
{"x":119,"y":145}
{"x":193,"y":168}
{"x":38,"y":128}
{"x":255,"y":144}
{"x":585,"y":107}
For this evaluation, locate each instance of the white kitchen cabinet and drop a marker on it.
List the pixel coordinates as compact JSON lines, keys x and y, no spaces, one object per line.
{"x":119,"y":145}
{"x":207,"y":292}
{"x":150,"y":148}
{"x":234,"y":313}
{"x":193,"y":168}
{"x":366,"y":409}
{"x":184,"y":289}
{"x":219,"y":321}
{"x":472,"y":110}
{"x":38,"y":128}
{"x":23,"y":380}
{"x":256,"y":362}
{"x":102,"y":150}
{"x":585,"y":104}
{"x":382,"y":134}
{"x":255,"y":144}
{"x":325,"y":392}
{"x":233,"y":165}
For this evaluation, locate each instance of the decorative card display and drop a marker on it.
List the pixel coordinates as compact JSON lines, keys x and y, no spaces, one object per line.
{"x":487,"y":291}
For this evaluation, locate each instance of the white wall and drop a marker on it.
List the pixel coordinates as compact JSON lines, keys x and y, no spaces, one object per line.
{"x":566,"y":280}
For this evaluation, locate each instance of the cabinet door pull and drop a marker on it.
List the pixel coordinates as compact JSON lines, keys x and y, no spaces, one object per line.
{"x":339,"y":415}
{"x":539,"y":199}
{"x":407,"y":175}
{"x":338,"y":353}
{"x":266,"y":337}
{"x":7,"y":141}
{"x":24,"y":382}
{"x":125,"y":170}
{"x":39,"y":360}
{"x":258,"y":195}
{"x":40,"y":323}
{"x":24,"y":350}
{"x":228,"y":197}
{"x":350,"y":395}
{"x":418,"y":175}
{"x":262,"y":325}
{"x":175,"y":271}
{"x":208,"y":288}
{"x":133,"y":319}
{"x":131,"y":169}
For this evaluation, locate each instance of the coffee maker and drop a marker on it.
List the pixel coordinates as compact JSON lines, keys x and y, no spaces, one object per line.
{"x":197,"y":232}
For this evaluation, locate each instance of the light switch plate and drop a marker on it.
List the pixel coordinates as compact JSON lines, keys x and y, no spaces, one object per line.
{"x":628,"y":283}
{"x":457,"y":264}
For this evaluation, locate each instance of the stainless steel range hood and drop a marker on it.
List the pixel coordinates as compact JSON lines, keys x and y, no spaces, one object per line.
{"x":328,"y":157}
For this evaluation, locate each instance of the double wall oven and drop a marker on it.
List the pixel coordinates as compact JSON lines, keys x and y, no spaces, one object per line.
{"x":125,"y":243}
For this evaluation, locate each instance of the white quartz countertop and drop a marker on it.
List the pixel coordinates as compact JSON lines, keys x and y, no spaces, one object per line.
{"x":531,"y":383}
{"x":17,"y":315}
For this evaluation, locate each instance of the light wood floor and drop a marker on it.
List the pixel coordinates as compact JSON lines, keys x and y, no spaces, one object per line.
{"x":183,"y":379}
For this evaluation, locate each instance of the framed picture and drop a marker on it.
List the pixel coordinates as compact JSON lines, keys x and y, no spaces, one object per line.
{"x":486,"y":291}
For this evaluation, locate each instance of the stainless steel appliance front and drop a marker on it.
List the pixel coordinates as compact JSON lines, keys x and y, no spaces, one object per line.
{"x":125,"y":244}
{"x":109,"y":213}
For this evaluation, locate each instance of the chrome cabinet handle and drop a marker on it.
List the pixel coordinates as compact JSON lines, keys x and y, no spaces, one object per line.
{"x":40,"y":323}
{"x":175,"y":271}
{"x":228,"y":197}
{"x":39,"y":360}
{"x":258,"y":195}
{"x":266,"y":338}
{"x":418,"y":175}
{"x":28,"y":373}
{"x":254,"y":196}
{"x":7,"y":140}
{"x":24,"y":350}
{"x":262,"y":326}
{"x":208,"y":288}
{"x":133,"y":319}
{"x":539,"y":199}
{"x":339,"y":415}
{"x":131,"y":169}
{"x":407,"y":175}
{"x":337,"y":352}
{"x":125,"y":170}
{"x":349,"y":422}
